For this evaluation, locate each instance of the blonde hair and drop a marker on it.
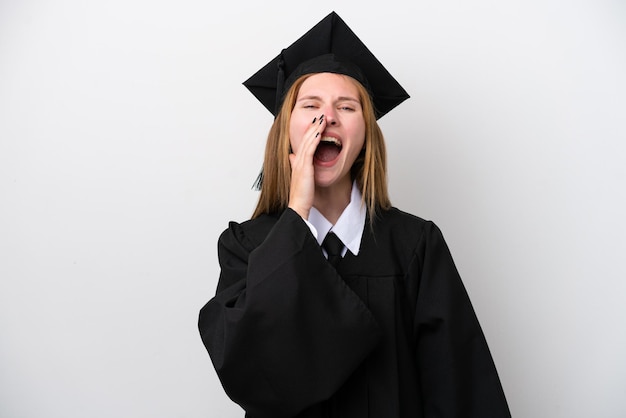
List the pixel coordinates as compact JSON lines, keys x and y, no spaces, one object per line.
{"x":369,"y":170}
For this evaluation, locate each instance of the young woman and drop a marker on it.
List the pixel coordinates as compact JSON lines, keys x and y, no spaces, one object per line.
{"x":332,"y":303}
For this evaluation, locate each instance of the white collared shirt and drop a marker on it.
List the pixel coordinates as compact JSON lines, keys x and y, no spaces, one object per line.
{"x":349,"y":226}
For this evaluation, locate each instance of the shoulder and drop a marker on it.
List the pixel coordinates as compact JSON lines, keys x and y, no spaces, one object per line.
{"x":398,"y":219}
{"x":249,"y":234}
{"x":399,"y":216}
{"x":411,"y":229}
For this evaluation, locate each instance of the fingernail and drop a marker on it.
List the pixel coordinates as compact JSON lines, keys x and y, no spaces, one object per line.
{"x":321,"y":119}
{"x":314,"y":119}
{"x":317,"y":134}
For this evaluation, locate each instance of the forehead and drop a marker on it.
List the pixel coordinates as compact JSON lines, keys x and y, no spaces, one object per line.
{"x":329,"y":85}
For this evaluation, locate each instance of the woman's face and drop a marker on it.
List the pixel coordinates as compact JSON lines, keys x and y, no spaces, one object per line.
{"x":336,"y":97}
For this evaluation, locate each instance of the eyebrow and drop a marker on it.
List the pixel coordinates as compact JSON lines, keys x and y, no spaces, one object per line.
{"x":339,"y":99}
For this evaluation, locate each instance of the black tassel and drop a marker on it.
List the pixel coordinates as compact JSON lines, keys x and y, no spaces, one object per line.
{"x":258,"y":182}
{"x":280,"y":82}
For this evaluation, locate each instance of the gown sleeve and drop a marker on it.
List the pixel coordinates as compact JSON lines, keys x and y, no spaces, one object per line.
{"x":457,"y":374}
{"x":284,"y":331}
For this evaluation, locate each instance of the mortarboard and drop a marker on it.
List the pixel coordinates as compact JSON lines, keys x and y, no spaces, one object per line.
{"x":330,"y":46}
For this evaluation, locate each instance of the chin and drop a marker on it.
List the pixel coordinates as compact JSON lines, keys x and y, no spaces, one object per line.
{"x":327,"y":180}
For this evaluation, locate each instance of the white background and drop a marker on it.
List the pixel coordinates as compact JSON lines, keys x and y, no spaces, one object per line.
{"x":127,"y":143}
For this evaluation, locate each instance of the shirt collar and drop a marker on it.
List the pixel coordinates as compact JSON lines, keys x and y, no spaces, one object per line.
{"x":349,"y":226}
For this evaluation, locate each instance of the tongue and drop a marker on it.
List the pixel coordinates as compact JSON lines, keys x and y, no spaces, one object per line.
{"x":326,"y":152}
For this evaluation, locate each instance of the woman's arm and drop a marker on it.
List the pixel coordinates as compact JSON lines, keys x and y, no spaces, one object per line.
{"x":284,"y":331}
{"x":457,"y":373}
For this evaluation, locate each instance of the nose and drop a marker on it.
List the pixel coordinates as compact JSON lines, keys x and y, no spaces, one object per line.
{"x":331,"y":116}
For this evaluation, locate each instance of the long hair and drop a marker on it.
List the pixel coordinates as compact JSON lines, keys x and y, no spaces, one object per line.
{"x":369,"y":169}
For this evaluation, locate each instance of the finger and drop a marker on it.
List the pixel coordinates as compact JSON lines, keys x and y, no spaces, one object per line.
{"x":312,"y":136}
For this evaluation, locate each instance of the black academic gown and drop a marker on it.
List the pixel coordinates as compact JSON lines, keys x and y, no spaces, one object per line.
{"x":389,"y":333}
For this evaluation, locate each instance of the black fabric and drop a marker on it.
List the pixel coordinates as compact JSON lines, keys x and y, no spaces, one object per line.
{"x":330,"y":46}
{"x":333,"y":246}
{"x":389,"y":333}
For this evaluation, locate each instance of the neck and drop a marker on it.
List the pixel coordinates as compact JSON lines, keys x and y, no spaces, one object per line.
{"x":332,"y":201}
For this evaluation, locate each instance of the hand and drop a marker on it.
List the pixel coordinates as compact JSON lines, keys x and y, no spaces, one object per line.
{"x":302,"y":187}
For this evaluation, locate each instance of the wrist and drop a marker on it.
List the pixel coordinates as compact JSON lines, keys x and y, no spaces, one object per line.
{"x":303,"y":212}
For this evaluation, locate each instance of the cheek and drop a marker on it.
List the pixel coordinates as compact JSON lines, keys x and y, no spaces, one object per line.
{"x":361,"y":134}
{"x":356,"y":132}
{"x":354,"y":154}
{"x":293,"y":136}
{"x":296,"y":132}
{"x":294,"y":144}
{"x":355,"y":149}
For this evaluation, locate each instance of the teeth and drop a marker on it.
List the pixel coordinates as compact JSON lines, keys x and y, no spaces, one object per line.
{"x":331,"y":140}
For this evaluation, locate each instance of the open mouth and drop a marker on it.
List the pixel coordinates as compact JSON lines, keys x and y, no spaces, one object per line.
{"x":328,"y":149}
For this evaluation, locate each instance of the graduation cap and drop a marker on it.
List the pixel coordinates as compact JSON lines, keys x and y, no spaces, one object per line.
{"x":330,"y":46}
